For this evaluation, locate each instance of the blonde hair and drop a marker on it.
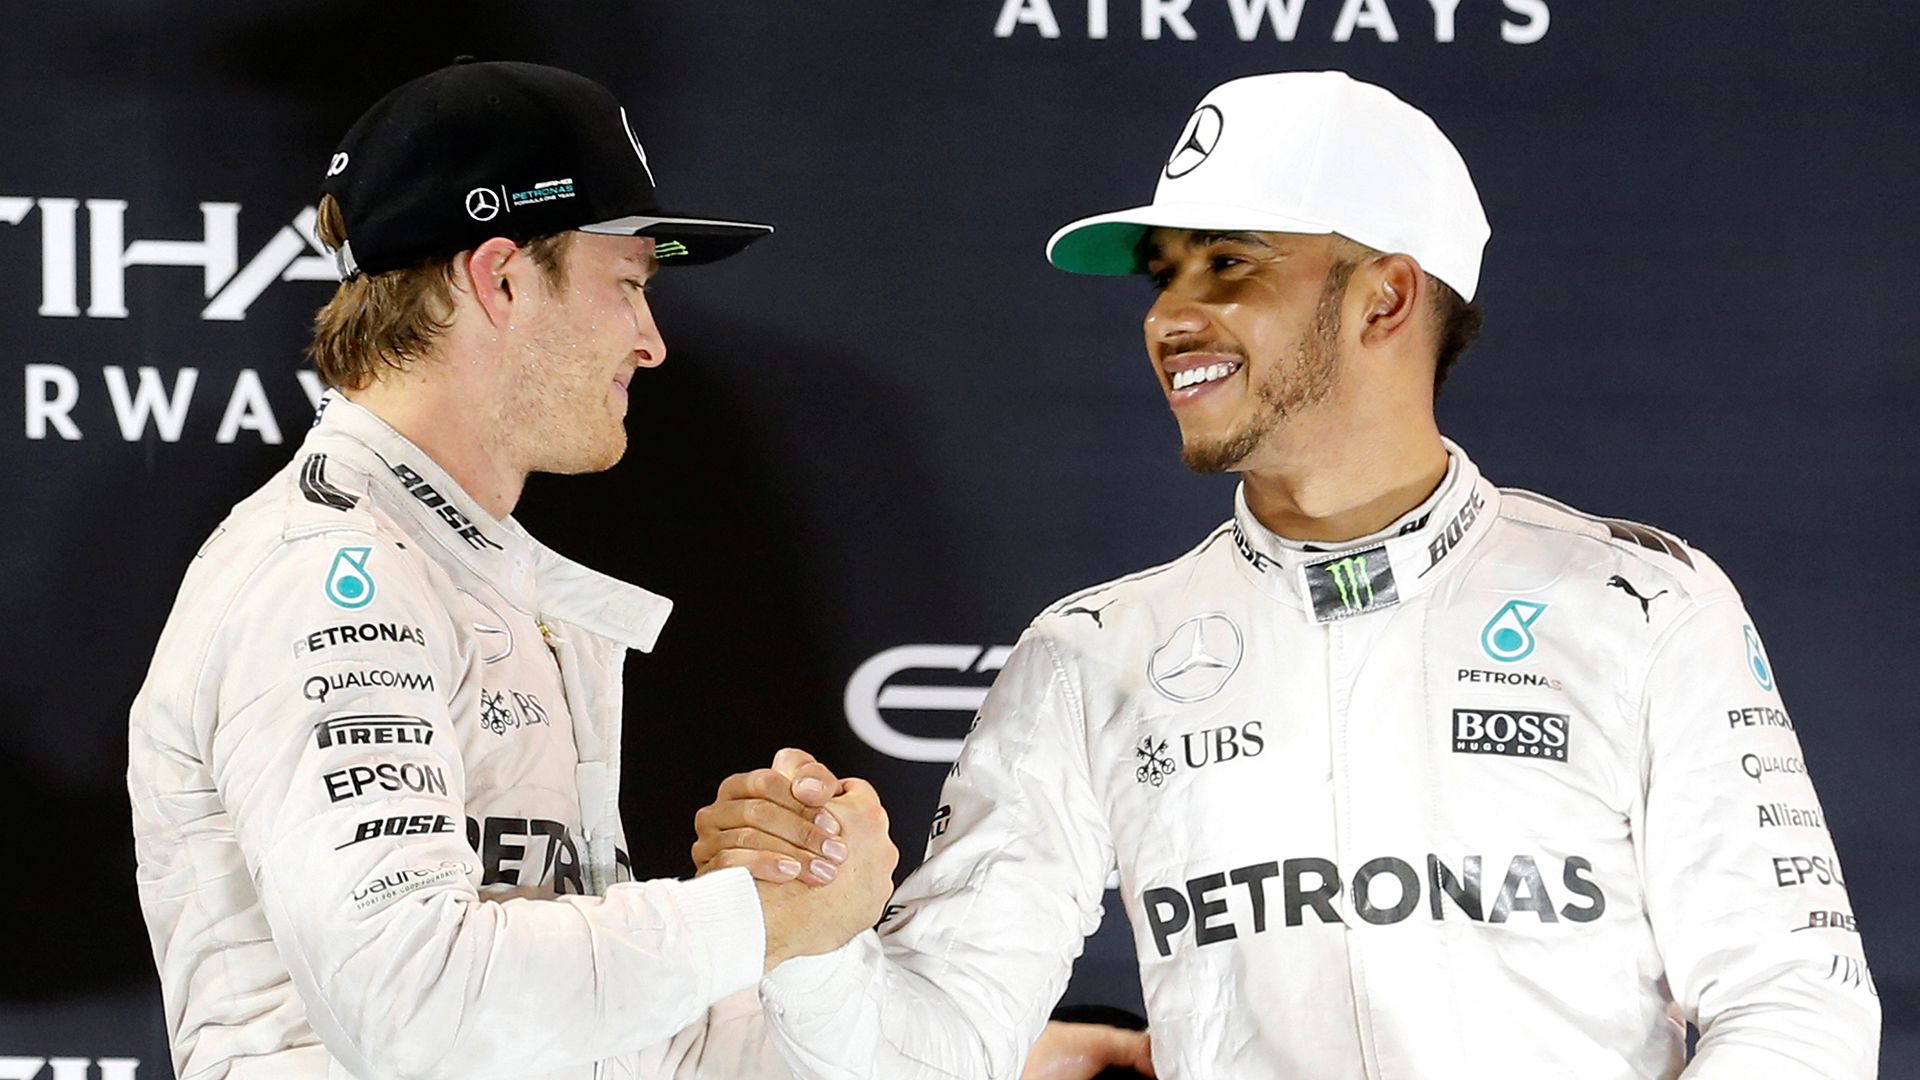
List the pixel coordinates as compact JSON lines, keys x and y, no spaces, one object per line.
{"x":391,"y":319}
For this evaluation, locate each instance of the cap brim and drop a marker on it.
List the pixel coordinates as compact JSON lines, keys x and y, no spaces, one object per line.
{"x":1111,"y":243}
{"x":682,"y":239}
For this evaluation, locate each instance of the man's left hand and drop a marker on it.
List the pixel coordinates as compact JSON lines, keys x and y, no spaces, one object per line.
{"x":1080,"y":1051}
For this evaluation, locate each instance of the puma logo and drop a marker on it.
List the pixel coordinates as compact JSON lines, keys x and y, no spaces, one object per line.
{"x":1091,"y":613}
{"x":1646,"y":602}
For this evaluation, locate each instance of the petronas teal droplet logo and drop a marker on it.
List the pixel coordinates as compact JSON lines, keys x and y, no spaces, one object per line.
{"x":1508,"y":636}
{"x":349,"y":585}
{"x":1757,"y":659}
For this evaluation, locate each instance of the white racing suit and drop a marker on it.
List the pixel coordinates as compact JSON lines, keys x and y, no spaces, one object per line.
{"x":375,"y":778}
{"x":1500,"y":791}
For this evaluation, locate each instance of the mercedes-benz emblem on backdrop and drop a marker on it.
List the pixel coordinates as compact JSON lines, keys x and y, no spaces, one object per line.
{"x":1196,"y":661}
{"x":1195,"y":143}
{"x":482,"y":204}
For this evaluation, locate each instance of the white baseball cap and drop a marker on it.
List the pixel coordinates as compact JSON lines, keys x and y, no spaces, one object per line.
{"x":1303,"y":152}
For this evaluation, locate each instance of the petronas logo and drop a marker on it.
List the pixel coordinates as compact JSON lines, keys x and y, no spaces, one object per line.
{"x":348,"y":583}
{"x":1508,"y":636}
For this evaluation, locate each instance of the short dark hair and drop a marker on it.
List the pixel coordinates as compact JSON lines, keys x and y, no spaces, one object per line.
{"x":1459,"y":323}
{"x":1457,"y":319}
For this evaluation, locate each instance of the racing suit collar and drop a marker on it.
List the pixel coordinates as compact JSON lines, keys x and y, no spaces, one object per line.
{"x":1331,"y":582}
{"x":526,"y":573}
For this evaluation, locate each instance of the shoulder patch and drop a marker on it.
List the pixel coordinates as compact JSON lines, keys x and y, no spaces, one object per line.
{"x":1539,"y":510}
{"x":1086,"y":598}
{"x":314,"y":485}
{"x":1648,"y":537}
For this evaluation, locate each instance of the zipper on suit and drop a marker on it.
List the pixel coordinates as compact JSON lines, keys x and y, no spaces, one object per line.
{"x":1339,"y":701}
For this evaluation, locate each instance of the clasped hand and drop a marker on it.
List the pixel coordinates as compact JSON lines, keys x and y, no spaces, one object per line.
{"x":816,"y":845}
{"x":818,"y":849}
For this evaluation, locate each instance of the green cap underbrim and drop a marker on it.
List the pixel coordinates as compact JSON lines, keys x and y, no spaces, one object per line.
{"x":1107,"y":247}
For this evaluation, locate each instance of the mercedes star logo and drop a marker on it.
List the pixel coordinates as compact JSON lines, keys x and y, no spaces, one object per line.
{"x":1197,"y":660}
{"x":482,"y":204}
{"x":1196,"y":142}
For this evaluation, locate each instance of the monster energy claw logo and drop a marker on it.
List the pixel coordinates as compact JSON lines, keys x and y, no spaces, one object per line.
{"x":1356,"y":588}
{"x":1351,"y":584}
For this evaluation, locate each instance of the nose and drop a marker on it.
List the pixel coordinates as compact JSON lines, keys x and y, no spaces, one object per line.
{"x":651,"y":348}
{"x":1175,"y":313}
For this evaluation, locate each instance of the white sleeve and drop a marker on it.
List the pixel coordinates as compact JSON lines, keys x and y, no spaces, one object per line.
{"x":1743,"y":888}
{"x":976,"y":947}
{"x":357,"y":848}
{"x":729,"y":1043}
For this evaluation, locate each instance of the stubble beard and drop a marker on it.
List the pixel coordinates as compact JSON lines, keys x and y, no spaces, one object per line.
{"x":557,"y":417}
{"x":1288,"y":390}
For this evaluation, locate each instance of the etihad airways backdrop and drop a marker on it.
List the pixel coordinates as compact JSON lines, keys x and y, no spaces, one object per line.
{"x":889,"y":435}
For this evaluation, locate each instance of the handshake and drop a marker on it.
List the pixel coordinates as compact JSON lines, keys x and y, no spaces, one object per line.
{"x":817,"y":847}
{"x":819,"y":852}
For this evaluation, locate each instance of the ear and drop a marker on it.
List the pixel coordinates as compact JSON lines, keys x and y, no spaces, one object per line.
{"x":496,"y":277}
{"x":1391,"y":289}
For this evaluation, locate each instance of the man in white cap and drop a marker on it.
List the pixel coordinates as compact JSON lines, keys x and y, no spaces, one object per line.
{"x":1401,"y":774}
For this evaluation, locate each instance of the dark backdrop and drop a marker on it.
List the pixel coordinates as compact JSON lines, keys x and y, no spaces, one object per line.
{"x":893,"y":424}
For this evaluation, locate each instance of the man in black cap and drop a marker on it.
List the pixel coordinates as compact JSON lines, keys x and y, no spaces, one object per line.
{"x":375,"y":765}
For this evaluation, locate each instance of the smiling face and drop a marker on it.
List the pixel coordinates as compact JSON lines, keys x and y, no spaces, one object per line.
{"x":1244,"y":336}
{"x":566,"y":402}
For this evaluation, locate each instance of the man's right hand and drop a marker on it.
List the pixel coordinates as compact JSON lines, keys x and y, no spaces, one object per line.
{"x":803,"y":920}
{"x":770,"y":820}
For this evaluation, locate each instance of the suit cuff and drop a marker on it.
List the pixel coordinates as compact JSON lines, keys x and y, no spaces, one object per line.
{"x":724,"y":923}
{"x":832,"y":976}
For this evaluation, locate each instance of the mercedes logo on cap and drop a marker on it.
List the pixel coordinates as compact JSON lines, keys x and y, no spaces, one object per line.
{"x":482,"y":204}
{"x":1196,"y":661}
{"x":1196,"y":142}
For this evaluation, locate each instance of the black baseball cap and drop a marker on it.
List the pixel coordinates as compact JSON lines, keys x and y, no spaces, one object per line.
{"x":479,"y":150}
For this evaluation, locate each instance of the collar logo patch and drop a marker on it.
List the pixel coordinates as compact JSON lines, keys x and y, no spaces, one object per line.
{"x":1195,"y":662}
{"x":1351,"y":584}
{"x":1456,"y":530}
{"x":1255,"y":558}
{"x":349,"y":585}
{"x":1508,"y":636}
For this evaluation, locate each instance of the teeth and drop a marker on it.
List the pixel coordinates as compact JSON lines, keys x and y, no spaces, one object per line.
{"x":1196,"y":376}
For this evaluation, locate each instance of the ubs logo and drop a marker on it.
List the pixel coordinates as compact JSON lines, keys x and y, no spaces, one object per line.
{"x":1196,"y":661}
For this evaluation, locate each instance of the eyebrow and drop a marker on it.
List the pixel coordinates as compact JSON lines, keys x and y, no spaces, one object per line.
{"x":1252,"y":239}
{"x":1151,"y":249}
